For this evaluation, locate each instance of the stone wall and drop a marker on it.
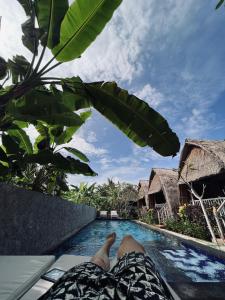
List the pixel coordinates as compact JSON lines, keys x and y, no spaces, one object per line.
{"x":33,"y":223}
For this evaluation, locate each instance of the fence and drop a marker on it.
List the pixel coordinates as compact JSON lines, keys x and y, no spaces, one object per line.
{"x":210,"y":202}
{"x":164,"y":214}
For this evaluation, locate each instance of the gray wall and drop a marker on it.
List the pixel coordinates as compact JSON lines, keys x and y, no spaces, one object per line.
{"x":32,"y":222}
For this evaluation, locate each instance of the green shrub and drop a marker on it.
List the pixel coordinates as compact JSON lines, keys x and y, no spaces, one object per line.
{"x":184,"y":226}
{"x":149,"y":217}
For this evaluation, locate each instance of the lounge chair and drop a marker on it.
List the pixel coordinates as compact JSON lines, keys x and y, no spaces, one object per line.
{"x":103,"y":214}
{"x":114,"y":214}
{"x":65,"y":262}
{"x":19,"y":273}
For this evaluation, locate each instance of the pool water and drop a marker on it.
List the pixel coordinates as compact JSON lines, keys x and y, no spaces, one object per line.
{"x":175,"y":260}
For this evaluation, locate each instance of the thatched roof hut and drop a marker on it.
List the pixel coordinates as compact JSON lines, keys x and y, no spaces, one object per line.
{"x":203,"y":162}
{"x":164,"y":188}
{"x":143,"y":187}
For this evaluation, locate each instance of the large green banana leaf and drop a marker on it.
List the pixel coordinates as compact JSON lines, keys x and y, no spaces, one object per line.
{"x":77,"y":153}
{"x":45,"y":106}
{"x":23,"y":138}
{"x":134,"y":117}
{"x":3,"y":155}
{"x":18,"y":67}
{"x":67,"y":164}
{"x":84,"y":20}
{"x":67,"y":134}
{"x":50,"y":14}
{"x":11,"y":144}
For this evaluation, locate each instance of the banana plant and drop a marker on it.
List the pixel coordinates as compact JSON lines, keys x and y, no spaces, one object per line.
{"x":49,"y":152}
{"x":35,"y":97}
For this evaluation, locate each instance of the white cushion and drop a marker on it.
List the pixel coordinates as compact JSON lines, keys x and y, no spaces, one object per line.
{"x":65,"y":262}
{"x":19,"y":273}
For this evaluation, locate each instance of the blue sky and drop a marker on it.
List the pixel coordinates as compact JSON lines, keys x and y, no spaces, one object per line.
{"x":170,"y":53}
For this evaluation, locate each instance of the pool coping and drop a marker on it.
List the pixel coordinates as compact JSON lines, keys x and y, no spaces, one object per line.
{"x":65,"y":238}
{"x":210,"y":247}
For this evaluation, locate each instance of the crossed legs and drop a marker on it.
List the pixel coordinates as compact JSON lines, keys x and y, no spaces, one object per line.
{"x":128,"y":244}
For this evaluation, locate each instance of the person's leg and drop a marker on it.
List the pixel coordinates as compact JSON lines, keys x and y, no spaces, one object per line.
{"x":101,"y":258}
{"x":129,"y":244}
{"x":136,"y":274}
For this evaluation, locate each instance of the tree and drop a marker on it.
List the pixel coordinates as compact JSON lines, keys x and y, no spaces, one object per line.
{"x":107,"y":196}
{"x":44,"y":159}
{"x":34,"y":96}
{"x":82,"y":194}
{"x":45,"y":179}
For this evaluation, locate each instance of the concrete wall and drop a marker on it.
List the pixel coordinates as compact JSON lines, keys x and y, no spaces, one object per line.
{"x":33,"y":223}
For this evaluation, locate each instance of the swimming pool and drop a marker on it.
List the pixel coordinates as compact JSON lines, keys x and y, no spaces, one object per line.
{"x":175,"y":260}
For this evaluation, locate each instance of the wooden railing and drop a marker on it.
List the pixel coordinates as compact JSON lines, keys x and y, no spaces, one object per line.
{"x":218,"y":205}
{"x":216,"y":202}
{"x":164,"y":214}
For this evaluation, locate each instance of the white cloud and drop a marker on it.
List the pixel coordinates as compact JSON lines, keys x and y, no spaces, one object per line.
{"x":81,"y":144}
{"x":10,"y":34}
{"x":198,"y":123}
{"x":116,"y":52}
{"x":151,"y":95}
{"x":91,"y":137}
{"x":114,"y":55}
{"x":78,"y":142}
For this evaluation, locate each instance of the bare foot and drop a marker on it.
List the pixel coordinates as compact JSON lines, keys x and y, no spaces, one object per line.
{"x":129,"y":244}
{"x":101,"y":258}
{"x":110,"y":239}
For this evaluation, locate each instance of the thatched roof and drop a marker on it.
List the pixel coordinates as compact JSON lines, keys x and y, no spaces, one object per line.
{"x":142,"y":188}
{"x":165,"y":180}
{"x":200,"y":159}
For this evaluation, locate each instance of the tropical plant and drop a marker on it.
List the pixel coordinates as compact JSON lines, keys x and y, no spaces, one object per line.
{"x":46,"y":179}
{"x":107,"y":196}
{"x":82,"y":194}
{"x":186,"y":227}
{"x":149,"y":217}
{"x":34,"y":96}
{"x":191,"y":221}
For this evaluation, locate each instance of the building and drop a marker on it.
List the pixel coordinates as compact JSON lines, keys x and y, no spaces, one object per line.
{"x":202,"y":162}
{"x":142,"y":201}
{"x":164,"y":190}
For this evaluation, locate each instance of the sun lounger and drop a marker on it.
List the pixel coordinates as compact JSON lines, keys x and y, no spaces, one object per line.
{"x":103,"y":214}
{"x":114,"y":214}
{"x":65,"y":262}
{"x":19,"y":273}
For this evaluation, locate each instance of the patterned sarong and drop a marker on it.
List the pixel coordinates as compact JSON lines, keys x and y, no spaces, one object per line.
{"x":133,"y":277}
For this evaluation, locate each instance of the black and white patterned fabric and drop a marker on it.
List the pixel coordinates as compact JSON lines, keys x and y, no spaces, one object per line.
{"x":133,"y":277}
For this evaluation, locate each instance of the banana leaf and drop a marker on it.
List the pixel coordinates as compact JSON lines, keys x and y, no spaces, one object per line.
{"x":134,"y":117}
{"x":82,"y":23}
{"x":23,"y":138}
{"x":77,"y":153}
{"x":67,"y":164}
{"x":50,"y":14}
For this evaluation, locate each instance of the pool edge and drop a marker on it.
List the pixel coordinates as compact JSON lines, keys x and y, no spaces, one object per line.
{"x":67,"y":237}
{"x":211,"y":248}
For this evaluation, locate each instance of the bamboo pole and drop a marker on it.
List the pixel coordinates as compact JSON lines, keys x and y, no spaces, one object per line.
{"x":215,"y":212}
